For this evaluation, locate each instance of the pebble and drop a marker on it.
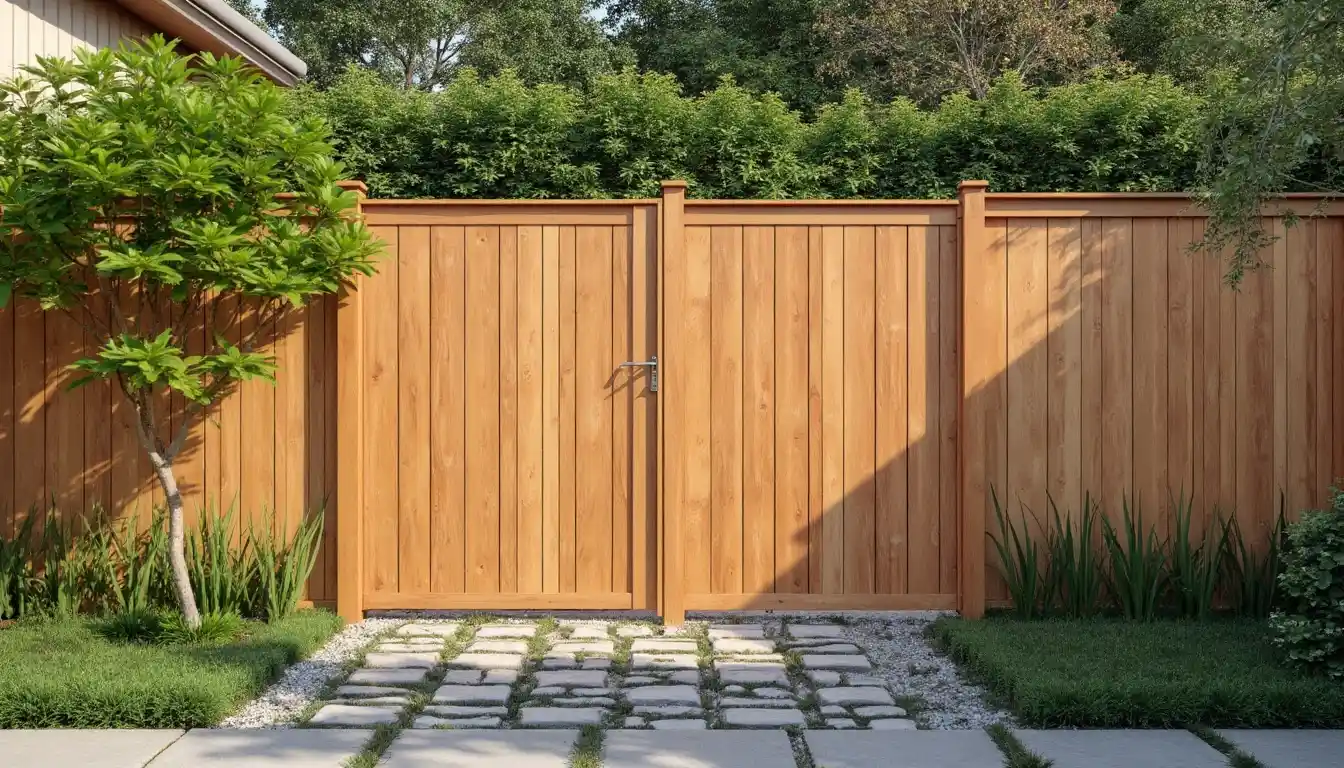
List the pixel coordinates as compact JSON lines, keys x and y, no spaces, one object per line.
{"x":304,"y":681}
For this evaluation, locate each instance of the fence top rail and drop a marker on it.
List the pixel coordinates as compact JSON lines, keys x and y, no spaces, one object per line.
{"x":487,"y":203}
{"x":841,"y":203}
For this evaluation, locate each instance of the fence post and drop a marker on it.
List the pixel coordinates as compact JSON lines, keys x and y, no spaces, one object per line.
{"x":671,"y":566}
{"x":974,"y":254}
{"x":350,"y":445}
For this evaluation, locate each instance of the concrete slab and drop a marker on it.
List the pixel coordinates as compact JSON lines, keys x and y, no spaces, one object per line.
{"x":1122,"y":749}
{"x":93,"y":748}
{"x":903,"y":749}
{"x":480,"y":749}
{"x":294,"y":748}
{"x":710,"y":749}
{"x":1290,"y":748}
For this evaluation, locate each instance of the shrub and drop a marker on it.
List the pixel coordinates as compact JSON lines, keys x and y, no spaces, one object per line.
{"x":499,"y":138}
{"x":214,"y":629}
{"x":135,"y":625}
{"x":1310,"y":626}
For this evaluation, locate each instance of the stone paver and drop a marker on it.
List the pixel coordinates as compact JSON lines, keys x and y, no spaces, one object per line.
{"x":588,"y":633}
{"x":87,"y":749}
{"x":1122,"y":749}
{"x":743,"y":645}
{"x":634,"y":630}
{"x":401,"y":660}
{"x":387,"y":676}
{"x":487,"y":661}
{"x":660,"y":661}
{"x":664,"y":694}
{"x":739,"y":631}
{"x":506,"y":630}
{"x":498,"y":646}
{"x":582,"y":646}
{"x":908,"y":749}
{"x":751,"y":674}
{"x":712,"y":749}
{"x":435,"y":630}
{"x":679,"y":724}
{"x":860,"y":696}
{"x":370,"y":691}
{"x":430,"y":721}
{"x":471,"y":694}
{"x":480,"y":749}
{"x":809,"y":631}
{"x":573,"y":678}
{"x":293,"y":748}
{"x":439,"y":710}
{"x":659,"y":646}
{"x":1290,"y":748}
{"x":893,"y":725}
{"x":559,"y":717}
{"x":762,"y":718}
{"x":837,"y":662}
{"x":347,"y":716}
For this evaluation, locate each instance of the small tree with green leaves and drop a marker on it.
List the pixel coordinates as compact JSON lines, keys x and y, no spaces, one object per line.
{"x":148,"y":195}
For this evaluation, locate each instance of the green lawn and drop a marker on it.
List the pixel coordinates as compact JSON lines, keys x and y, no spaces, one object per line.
{"x":1111,"y":673}
{"x":64,"y":675}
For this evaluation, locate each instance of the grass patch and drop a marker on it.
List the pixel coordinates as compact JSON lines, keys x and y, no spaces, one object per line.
{"x":587,"y":752}
{"x":1108,"y":673}
{"x":1236,"y":758}
{"x":1015,"y":753}
{"x":65,"y":674}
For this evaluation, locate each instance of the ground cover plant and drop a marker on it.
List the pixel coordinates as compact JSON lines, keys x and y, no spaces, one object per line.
{"x":1114,"y":673}
{"x":64,"y":673}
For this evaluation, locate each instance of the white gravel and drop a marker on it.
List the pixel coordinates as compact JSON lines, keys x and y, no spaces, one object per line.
{"x":902,"y":655}
{"x":301,"y":684}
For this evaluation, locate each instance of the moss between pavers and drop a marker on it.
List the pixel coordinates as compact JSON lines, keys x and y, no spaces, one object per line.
{"x":63,"y":674}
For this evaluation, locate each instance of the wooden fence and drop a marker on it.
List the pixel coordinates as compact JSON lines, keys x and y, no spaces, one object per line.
{"x":841,"y":385}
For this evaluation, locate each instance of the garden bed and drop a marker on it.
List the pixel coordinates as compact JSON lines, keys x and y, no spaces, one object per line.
{"x":1125,"y":674}
{"x":63,"y":674}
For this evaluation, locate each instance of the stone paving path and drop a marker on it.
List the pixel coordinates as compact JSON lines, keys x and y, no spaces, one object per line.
{"x":568,"y":674}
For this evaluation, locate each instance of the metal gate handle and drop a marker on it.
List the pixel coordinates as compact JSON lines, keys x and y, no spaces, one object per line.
{"x":651,"y":364}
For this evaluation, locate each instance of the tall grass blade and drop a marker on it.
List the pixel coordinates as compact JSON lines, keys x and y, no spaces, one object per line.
{"x":1019,"y":562}
{"x":17,"y":556}
{"x":1137,"y":565}
{"x":283,"y":565}
{"x":1253,"y":572}
{"x":1073,"y":569}
{"x":1196,"y":565}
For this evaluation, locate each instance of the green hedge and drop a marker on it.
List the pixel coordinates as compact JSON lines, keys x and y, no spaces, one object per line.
{"x":499,"y":138}
{"x":1108,"y":673}
{"x":63,"y":674}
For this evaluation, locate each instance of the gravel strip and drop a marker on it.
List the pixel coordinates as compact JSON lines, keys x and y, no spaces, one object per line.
{"x":901,"y":655}
{"x":301,"y":684}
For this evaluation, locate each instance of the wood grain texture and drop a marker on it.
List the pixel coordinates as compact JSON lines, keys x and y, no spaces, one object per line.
{"x":892,"y":384}
{"x":448,"y":409}
{"x":833,"y":410}
{"x":922,"y":395}
{"x":759,"y":570}
{"x":791,"y":410}
{"x":414,"y":492}
{"x":860,"y":446}
{"x":725,"y":411}
{"x":482,"y":409}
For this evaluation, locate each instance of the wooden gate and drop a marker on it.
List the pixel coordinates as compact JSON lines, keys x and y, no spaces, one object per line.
{"x":507,"y":458}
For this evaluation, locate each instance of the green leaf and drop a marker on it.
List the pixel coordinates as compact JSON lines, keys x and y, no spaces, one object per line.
{"x":6,"y":290}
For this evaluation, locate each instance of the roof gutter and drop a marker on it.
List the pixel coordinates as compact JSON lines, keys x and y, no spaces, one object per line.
{"x":211,"y":25}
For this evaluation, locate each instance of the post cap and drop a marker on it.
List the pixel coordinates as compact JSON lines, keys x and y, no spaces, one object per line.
{"x":355,"y":185}
{"x":973,"y":184}
{"x":674,"y":184}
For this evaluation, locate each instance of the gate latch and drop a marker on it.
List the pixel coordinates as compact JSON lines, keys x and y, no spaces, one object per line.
{"x":651,"y":364}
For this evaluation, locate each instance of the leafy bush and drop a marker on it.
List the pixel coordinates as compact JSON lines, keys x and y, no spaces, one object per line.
{"x":64,"y":674}
{"x":1310,"y":625}
{"x":1109,"y":673}
{"x":499,"y":138}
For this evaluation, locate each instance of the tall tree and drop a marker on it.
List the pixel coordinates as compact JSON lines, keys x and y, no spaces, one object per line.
{"x":1173,"y":37}
{"x":925,"y":49}
{"x":766,"y":45}
{"x":1276,"y":126}
{"x":423,"y":43}
{"x":139,"y":196}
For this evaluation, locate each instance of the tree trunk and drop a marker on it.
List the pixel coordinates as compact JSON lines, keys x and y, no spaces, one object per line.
{"x":177,"y":540}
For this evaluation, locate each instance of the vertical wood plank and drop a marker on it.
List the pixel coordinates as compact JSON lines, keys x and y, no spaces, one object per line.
{"x":593,"y":415}
{"x":668,"y":261}
{"x":1257,"y":353}
{"x":982,"y":280}
{"x":350,"y":402}
{"x":791,"y":411}
{"x":622,"y":396}
{"x":1325,"y":362}
{"x":567,"y":412}
{"x":30,"y":431}
{"x":696,"y":335}
{"x":923,"y":279}
{"x":861,"y":409}
{"x":65,"y":419}
{"x":1228,"y":386}
{"x":993,"y":394}
{"x":8,"y":421}
{"x":815,"y":490}
{"x":508,"y":409}
{"x":758,"y":417}
{"x":1028,"y":372}
{"x":98,"y":395}
{"x":833,"y":410}
{"x":726,"y":409}
{"x":379,"y":297}
{"x":1117,"y":385}
{"x":413,"y":410}
{"x":1279,"y":484}
{"x":482,"y":416}
{"x":949,"y":358}
{"x":317,"y":366}
{"x":258,"y":424}
{"x":1148,"y":369}
{"x":1064,"y":414}
{"x":1299,"y":374}
{"x":1180,"y":360}
{"x":531,"y":554}
{"x":448,"y":409}
{"x":892,"y":372}
{"x":550,"y":409}
{"x":229,"y":416}
{"x":646,"y":457}
{"x":1092,"y":344}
